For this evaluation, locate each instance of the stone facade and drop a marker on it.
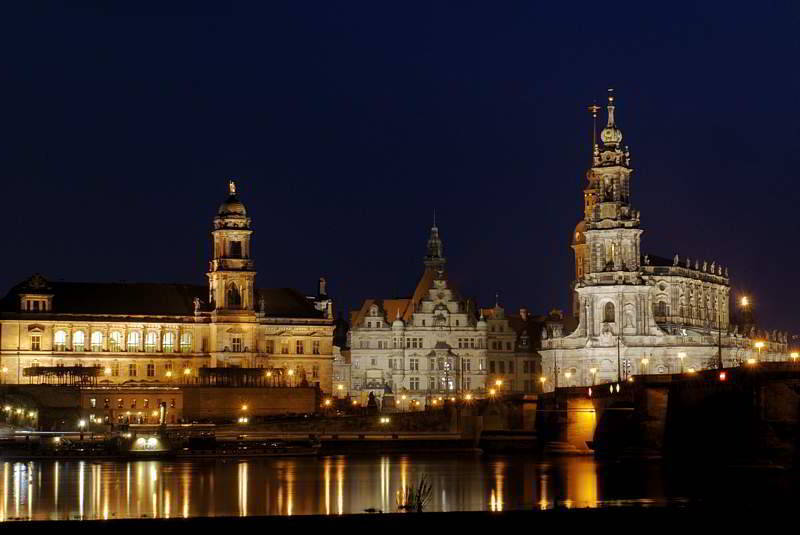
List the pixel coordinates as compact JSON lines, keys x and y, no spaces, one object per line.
{"x":136,"y":333}
{"x":430,"y":344}
{"x":639,"y":313}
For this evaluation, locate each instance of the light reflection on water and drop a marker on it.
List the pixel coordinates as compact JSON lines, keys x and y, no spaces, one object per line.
{"x":341,"y":485}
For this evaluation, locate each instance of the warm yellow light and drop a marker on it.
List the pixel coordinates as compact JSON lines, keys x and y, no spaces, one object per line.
{"x":691,"y":370}
{"x":187,"y":371}
{"x":403,"y":397}
{"x":327,"y":403}
{"x":81,"y":423}
{"x":542,"y":379}
{"x":567,"y":374}
{"x":20,"y":411}
{"x":107,"y":371}
{"x":645,"y":361}
{"x":744,"y":301}
{"x":681,"y":356}
{"x":339,"y":387}
{"x":433,"y":402}
{"x":154,"y":413}
{"x":31,"y":414}
{"x":759,"y":344}
{"x":630,"y":379}
{"x":452,"y":399}
{"x":794,"y":355}
{"x":290,"y":372}
{"x":591,"y":370}
{"x":355,"y":402}
{"x":244,"y":407}
{"x":7,"y":408}
{"x":169,"y":373}
{"x":492,"y":391}
{"x":269,"y":374}
{"x":468,"y":397}
{"x":499,"y":382}
{"x":751,"y":361}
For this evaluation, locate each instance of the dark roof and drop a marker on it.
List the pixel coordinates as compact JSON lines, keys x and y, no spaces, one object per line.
{"x":148,"y":299}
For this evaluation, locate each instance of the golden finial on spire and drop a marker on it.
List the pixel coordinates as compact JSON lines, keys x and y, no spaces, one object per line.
{"x":232,"y":187}
{"x":594,"y":108}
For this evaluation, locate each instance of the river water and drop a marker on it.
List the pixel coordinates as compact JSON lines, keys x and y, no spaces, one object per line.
{"x":351,"y":484}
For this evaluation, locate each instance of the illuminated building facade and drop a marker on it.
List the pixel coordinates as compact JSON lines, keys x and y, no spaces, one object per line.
{"x":141,"y":333}
{"x":432,"y":343}
{"x":637,"y":313}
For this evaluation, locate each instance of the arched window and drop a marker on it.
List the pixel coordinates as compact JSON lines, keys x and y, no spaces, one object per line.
{"x":609,"y":315}
{"x":151,"y":341}
{"x":97,"y":341}
{"x":134,"y":341}
{"x":186,"y":342}
{"x":78,"y":341}
{"x":60,"y":341}
{"x":114,"y":341}
{"x":168,"y":342}
{"x":234,"y":297}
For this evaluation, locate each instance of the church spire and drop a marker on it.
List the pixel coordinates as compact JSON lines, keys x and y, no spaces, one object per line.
{"x":434,"y":256}
{"x":611,"y":135}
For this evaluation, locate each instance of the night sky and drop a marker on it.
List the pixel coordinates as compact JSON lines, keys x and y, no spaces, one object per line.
{"x":347,"y":123}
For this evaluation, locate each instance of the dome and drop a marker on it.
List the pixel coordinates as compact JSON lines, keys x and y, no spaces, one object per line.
{"x":579,"y":236}
{"x":398,"y":324}
{"x":233,"y":206}
{"x":611,"y":136}
{"x":482,"y":325}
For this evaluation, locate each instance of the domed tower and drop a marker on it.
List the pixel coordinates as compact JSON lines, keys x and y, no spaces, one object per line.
{"x":434,"y":257}
{"x":231,"y":275}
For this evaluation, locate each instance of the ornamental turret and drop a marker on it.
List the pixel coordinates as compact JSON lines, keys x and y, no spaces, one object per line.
{"x":231,"y":274}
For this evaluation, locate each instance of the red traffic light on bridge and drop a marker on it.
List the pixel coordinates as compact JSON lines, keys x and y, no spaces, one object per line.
{"x":723,"y":376}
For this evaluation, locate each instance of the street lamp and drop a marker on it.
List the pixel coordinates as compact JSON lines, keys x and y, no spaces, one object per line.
{"x":794,"y":356}
{"x":290,"y":373}
{"x":645,"y":362}
{"x":681,"y":356}
{"x":759,"y":345}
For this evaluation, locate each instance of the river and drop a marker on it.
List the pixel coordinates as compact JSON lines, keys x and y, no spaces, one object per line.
{"x":350,"y":484}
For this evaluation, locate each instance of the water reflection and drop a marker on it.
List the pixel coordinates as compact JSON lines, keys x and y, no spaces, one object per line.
{"x":341,"y":485}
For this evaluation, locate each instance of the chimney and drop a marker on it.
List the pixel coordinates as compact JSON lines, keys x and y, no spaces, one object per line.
{"x":322,"y":287}
{"x":523,"y":313}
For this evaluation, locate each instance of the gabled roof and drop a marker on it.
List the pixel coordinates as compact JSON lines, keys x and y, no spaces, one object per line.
{"x":406,"y":306}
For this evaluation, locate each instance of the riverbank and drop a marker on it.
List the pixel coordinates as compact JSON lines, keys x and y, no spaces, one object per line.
{"x":655,"y":519}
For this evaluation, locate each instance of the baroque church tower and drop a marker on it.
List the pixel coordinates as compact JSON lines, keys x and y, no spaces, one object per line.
{"x":231,"y":275}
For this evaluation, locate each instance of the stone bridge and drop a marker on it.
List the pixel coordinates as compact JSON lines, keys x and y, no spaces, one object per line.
{"x":743,"y":414}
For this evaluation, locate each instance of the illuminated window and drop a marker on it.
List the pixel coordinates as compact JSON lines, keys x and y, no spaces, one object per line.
{"x":186,"y":342}
{"x":115,"y":341}
{"x":60,"y":341}
{"x":36,"y":342}
{"x":119,"y":403}
{"x":93,"y":402}
{"x":168,"y":342}
{"x":236,"y":344}
{"x":151,"y":342}
{"x":315,"y":347}
{"x":300,"y":347}
{"x":134,"y":341}
{"x":78,"y":341}
{"x":97,"y":341}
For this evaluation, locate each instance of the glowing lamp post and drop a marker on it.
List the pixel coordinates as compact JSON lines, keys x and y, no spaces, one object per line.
{"x":186,"y":373}
{"x":290,"y":373}
{"x":794,"y":355}
{"x":681,"y":356}
{"x":759,"y":345}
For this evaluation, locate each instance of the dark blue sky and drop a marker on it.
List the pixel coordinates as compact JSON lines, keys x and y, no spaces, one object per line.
{"x":347,"y":123}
